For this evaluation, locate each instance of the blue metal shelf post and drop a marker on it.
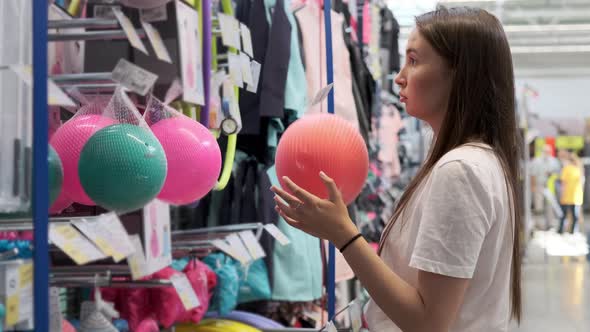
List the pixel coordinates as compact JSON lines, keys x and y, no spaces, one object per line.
{"x":330,"y":79}
{"x":40,"y":170}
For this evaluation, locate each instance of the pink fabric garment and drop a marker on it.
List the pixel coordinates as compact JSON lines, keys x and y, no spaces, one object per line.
{"x":203,"y":280}
{"x":131,"y":303}
{"x":390,"y":124}
{"x":311,"y":21}
{"x":166,"y":303}
{"x":367,"y":23}
{"x":148,"y":325}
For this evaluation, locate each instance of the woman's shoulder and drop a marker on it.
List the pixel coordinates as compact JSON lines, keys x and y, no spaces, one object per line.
{"x":476,"y":159}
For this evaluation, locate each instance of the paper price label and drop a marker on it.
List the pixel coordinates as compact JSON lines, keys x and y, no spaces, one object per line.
{"x":129,"y":30}
{"x":12,"y":310}
{"x":185,"y":291}
{"x":235,"y":69}
{"x":133,"y":77}
{"x":245,"y":68}
{"x":156,"y":41}
{"x":225,"y":247}
{"x":25,"y":275}
{"x":57,"y":97}
{"x":137,"y":262}
{"x":277,"y":234}
{"x":157,"y":14}
{"x":74,"y":244}
{"x":238,"y":246}
{"x":356,"y":312}
{"x":230,"y":30}
{"x":321,"y":95}
{"x":331,"y":327}
{"x":108,"y":234}
{"x":255,"y":68}
{"x":254,"y":247}
{"x":246,"y":40}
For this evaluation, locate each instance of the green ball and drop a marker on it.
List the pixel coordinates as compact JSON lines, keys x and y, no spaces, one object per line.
{"x":56,"y":175}
{"x":122,"y":167}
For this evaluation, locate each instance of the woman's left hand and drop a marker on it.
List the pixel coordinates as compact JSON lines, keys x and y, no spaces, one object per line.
{"x":324,"y":218}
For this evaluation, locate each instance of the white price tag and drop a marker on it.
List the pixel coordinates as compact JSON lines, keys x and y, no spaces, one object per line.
{"x":74,"y":244}
{"x":157,"y":42}
{"x":228,"y":249}
{"x":56,"y":97}
{"x":230,"y":30}
{"x":254,"y":247}
{"x":321,"y":95}
{"x":356,"y":312}
{"x":255,"y":69}
{"x":133,"y":77}
{"x":238,"y":246}
{"x":136,"y":261}
{"x":187,"y":20}
{"x":245,"y":68}
{"x":157,"y":14}
{"x":19,"y":293}
{"x":185,"y":291}
{"x":331,"y":327}
{"x":235,"y":69}
{"x":108,"y":234}
{"x":246,"y":40}
{"x":129,"y":30}
{"x":277,"y":234}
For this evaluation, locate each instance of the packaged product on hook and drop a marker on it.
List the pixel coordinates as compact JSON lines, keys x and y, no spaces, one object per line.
{"x":122,"y":166}
{"x":194,"y":157}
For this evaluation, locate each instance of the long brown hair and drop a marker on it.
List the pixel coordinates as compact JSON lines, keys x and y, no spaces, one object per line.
{"x":481,"y":106}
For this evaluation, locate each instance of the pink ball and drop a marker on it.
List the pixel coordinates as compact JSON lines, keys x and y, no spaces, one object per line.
{"x":194,"y":159}
{"x":68,"y":142}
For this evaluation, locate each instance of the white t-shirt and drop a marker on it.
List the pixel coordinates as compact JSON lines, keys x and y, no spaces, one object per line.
{"x":457,"y":224}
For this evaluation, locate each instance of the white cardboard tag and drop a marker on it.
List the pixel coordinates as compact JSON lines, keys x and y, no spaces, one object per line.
{"x":356,"y":312}
{"x":129,"y":29}
{"x":185,"y":291}
{"x":56,"y":96}
{"x":156,"y":41}
{"x":136,"y":261}
{"x":255,"y":69}
{"x":157,"y":14}
{"x":74,"y":244}
{"x":235,"y":69}
{"x":230,"y":30}
{"x":321,"y":95}
{"x":133,"y":77}
{"x":108,"y":234}
{"x":277,"y":234}
{"x":187,"y":20}
{"x":246,"y":40}
{"x":252,"y":244}
{"x":238,"y":246}
{"x":157,"y":237}
{"x":228,"y":249}
{"x":245,"y":68}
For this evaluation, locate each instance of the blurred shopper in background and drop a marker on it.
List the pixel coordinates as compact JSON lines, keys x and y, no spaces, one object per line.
{"x":572,"y":193}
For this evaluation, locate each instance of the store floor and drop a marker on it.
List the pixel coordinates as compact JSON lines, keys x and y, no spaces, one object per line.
{"x":556,"y":284}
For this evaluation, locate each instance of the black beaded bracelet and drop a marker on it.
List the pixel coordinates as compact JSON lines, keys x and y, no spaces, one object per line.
{"x":350,"y":242}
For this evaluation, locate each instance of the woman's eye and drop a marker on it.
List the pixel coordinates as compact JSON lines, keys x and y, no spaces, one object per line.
{"x":411,"y":61}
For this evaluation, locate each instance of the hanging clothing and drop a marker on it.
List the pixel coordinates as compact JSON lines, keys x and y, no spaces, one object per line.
{"x":298,"y":266}
{"x":389,"y":47}
{"x":272,"y":48}
{"x":311,"y":21}
{"x":296,"y":83}
{"x":390,"y":124}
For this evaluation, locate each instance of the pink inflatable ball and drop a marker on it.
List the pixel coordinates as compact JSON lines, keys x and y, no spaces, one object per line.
{"x":328,"y":143}
{"x":68,"y":141}
{"x":194,"y":159}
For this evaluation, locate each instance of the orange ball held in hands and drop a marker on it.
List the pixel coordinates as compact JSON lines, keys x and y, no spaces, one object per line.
{"x":328,"y":143}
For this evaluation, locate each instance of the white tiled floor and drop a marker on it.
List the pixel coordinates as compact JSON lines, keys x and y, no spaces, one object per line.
{"x":556,"y":289}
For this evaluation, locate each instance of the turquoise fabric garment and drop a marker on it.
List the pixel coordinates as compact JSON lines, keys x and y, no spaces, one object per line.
{"x":225,"y":296}
{"x":297,"y":267}
{"x":296,"y":87}
{"x":254,"y":283}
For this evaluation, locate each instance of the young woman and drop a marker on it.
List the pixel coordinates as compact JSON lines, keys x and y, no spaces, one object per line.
{"x":572,"y":192}
{"x":449,"y":258}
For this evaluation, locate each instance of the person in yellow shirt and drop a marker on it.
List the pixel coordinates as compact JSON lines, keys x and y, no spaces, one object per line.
{"x":572,"y":194}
